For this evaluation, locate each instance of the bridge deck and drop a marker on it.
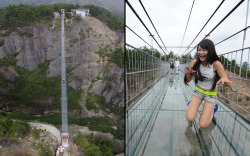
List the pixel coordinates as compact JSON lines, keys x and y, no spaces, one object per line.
{"x":171,"y":133}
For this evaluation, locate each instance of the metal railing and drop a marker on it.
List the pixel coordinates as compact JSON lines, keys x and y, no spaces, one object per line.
{"x":142,"y":72}
{"x":237,"y":96}
{"x":145,"y":88}
{"x":231,"y":133}
{"x":236,"y":65}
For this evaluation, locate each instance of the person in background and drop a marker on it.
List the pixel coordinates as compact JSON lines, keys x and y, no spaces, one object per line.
{"x":172,"y":65}
{"x":177,"y":64}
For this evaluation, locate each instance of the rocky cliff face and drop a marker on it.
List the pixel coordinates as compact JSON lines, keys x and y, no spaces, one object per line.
{"x":82,"y":40}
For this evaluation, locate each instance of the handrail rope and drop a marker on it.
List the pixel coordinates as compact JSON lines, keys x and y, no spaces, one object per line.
{"x":152,"y":23}
{"x":139,"y":36}
{"x":235,"y":51}
{"x":233,"y":35}
{"x":143,"y":51}
{"x":143,"y":24}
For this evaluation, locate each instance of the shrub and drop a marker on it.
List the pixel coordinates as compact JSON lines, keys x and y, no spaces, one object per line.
{"x":106,"y":16}
{"x":9,"y":128}
{"x":108,"y":146}
{"x":32,"y":86}
{"x":43,"y":150}
{"x":78,"y":18}
{"x":25,"y":33}
{"x":35,"y":134}
{"x":89,"y":149}
{"x":94,"y":99}
{"x":68,"y":15}
{"x":9,"y":60}
{"x":1,"y":43}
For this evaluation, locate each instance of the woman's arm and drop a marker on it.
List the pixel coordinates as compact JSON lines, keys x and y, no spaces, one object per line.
{"x":221,"y":72}
{"x":189,"y":71}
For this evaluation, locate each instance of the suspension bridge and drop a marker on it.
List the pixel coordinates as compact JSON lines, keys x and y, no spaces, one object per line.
{"x":64,"y":104}
{"x":156,"y":100}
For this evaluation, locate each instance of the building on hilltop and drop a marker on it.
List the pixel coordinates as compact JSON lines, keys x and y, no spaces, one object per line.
{"x":83,"y":12}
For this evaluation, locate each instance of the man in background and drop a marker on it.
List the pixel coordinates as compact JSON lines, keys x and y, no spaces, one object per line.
{"x":177,"y":64}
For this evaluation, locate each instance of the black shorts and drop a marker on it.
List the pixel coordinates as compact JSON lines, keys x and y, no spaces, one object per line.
{"x":172,"y":67}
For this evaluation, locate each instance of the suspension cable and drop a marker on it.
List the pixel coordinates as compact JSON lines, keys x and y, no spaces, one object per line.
{"x":139,"y":36}
{"x":232,"y":35}
{"x":220,"y":22}
{"x":187,"y":23}
{"x":152,"y":23}
{"x":143,"y":24}
{"x":205,"y":24}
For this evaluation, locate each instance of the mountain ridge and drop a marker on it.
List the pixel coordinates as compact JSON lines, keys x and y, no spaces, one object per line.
{"x":115,"y":6}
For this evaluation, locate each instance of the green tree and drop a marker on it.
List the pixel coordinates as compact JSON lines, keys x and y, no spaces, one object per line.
{"x":21,"y":15}
{"x":106,"y":16}
{"x":151,"y":51}
{"x":93,"y":150}
{"x":244,"y":65}
{"x":68,"y":15}
{"x":171,"y":55}
{"x":186,"y":58}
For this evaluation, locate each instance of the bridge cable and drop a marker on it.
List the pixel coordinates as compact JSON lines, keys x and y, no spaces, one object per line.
{"x":187,"y":24}
{"x":143,"y":24}
{"x":220,"y":22}
{"x":152,"y":23}
{"x":205,"y":24}
{"x":233,"y":35}
{"x":139,"y":36}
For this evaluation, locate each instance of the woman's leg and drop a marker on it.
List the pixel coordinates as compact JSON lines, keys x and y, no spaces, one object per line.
{"x":206,"y":115}
{"x":192,"y":108}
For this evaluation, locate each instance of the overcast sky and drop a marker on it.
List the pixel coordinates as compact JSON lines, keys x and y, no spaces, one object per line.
{"x":170,"y":19}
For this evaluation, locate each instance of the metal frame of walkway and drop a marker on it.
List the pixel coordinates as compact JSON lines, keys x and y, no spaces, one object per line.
{"x":156,"y":100}
{"x":159,"y":127}
{"x":64,"y":90}
{"x":155,"y":110}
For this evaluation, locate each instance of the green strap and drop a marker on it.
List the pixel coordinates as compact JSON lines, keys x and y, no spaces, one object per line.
{"x":205,"y":92}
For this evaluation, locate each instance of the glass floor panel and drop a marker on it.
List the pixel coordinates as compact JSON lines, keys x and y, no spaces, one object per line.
{"x":172,"y":134}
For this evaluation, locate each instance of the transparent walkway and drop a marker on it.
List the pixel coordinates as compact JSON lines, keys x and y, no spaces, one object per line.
{"x":171,"y":134}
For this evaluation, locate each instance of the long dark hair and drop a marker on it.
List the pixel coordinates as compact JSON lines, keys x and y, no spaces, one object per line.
{"x":211,"y":57}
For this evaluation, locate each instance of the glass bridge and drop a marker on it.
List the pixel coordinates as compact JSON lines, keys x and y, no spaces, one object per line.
{"x":156,"y":100}
{"x":171,"y":134}
{"x":156,"y":105}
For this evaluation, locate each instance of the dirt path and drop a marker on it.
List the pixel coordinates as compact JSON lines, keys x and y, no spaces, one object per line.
{"x":49,"y":128}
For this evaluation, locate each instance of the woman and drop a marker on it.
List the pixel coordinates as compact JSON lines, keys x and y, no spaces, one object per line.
{"x":208,"y":72}
{"x":172,"y":66}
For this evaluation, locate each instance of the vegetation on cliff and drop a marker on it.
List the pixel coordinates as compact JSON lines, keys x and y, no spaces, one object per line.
{"x":35,"y":92}
{"x":106,"y":16}
{"x":15,"y":16}
{"x":34,"y":89}
{"x":12,"y":129}
{"x":105,"y":146}
{"x":21,"y":15}
{"x":117,"y":56}
{"x":101,"y":124}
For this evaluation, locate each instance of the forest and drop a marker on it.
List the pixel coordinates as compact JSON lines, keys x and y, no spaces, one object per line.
{"x":15,"y":16}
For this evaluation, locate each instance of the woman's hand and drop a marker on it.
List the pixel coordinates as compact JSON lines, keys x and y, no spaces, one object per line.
{"x":189,"y":70}
{"x":224,"y":80}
